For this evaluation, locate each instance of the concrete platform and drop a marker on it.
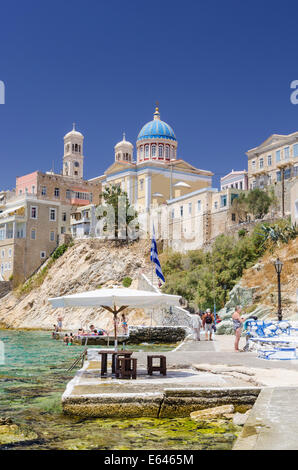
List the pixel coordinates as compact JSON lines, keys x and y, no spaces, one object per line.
{"x":273,"y":421}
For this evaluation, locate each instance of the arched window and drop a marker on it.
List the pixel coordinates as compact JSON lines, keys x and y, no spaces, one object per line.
{"x":147,"y":151}
{"x":76,"y":164}
{"x":167,"y":152}
{"x":141,"y":152}
{"x":76,"y":147}
{"x":153,"y":151}
{"x":160,"y":151}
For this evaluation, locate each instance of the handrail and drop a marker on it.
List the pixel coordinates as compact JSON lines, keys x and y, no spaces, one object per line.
{"x":80,"y":357}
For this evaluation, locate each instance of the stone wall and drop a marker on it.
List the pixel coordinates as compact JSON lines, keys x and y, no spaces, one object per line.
{"x":156,"y":334}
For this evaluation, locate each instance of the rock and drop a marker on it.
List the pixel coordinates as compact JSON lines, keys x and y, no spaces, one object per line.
{"x":212,"y":413}
{"x":239,"y":419}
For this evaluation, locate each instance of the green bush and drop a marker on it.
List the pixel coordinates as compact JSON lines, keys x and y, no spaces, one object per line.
{"x":59,"y":251}
{"x":203,"y":277}
{"x":126,"y":282}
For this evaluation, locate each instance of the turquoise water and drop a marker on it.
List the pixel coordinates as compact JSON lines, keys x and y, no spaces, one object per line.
{"x":32,"y":380}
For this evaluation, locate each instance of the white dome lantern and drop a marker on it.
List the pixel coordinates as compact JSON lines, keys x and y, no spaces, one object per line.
{"x":123,"y":150}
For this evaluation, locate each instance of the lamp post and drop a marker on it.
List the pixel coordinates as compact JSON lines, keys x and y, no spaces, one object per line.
{"x":278,"y":268}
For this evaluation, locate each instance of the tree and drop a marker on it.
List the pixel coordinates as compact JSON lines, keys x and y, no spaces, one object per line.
{"x":240,"y":207}
{"x":118,"y":216}
{"x":258,"y":202}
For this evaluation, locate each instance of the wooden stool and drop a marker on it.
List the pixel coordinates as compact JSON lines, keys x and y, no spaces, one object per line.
{"x":126,"y":367}
{"x":118,"y":355}
{"x":162,"y":368}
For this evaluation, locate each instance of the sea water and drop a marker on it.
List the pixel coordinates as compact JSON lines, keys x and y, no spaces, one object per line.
{"x":33,"y":377}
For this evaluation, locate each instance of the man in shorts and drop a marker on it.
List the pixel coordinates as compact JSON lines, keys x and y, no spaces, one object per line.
{"x":208,"y":323}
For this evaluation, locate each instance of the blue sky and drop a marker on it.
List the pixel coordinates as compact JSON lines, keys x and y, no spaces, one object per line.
{"x":221,"y":71}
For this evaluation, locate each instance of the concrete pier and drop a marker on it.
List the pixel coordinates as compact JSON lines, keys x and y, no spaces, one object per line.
{"x":273,"y":421}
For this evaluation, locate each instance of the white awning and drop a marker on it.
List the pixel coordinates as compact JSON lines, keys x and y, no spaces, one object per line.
{"x":12,"y":209}
{"x":116,"y":297}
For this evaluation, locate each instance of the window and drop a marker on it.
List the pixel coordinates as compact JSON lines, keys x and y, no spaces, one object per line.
{"x":53,"y":214}
{"x":189,"y":207}
{"x":10,"y":252}
{"x":33,"y":189}
{"x":33,"y":234}
{"x":91,"y":197}
{"x":68,"y":194}
{"x":160,"y":151}
{"x":215,"y":205}
{"x":295,"y":150}
{"x":241,"y":185}
{"x":253,"y":165}
{"x":2,"y":253}
{"x":42,"y":254}
{"x":261,"y":162}
{"x":223,"y":201}
{"x":146,"y":151}
{"x":76,"y":164}
{"x":43,"y":190}
{"x":141,"y":184}
{"x":173,"y":213}
{"x":277,"y":156}
{"x":33,"y":212}
{"x":153,"y":151}
{"x":287,"y":153}
{"x":64,"y":216}
{"x":269,"y":160}
{"x":287,"y":173}
{"x":278,"y":176}
{"x":167,"y":152}
{"x":199,"y":206}
{"x":63,"y":230}
{"x":295,"y":169}
{"x":181,"y":211}
{"x":233,"y":217}
{"x":52,"y":236}
{"x":142,"y":151}
{"x":233,"y":196}
{"x":56,"y":192}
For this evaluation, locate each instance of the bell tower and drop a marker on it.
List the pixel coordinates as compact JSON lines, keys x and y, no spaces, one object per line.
{"x":73,"y":159}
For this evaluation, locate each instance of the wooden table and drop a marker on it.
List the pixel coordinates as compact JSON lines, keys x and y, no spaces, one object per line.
{"x":104,"y":359}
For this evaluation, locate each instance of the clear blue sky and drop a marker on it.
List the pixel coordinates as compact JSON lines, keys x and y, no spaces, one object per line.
{"x":221,"y":71}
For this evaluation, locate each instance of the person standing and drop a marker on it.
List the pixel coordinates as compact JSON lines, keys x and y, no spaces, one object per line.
{"x":208,"y":323}
{"x":59,"y":323}
{"x":196,"y":325}
{"x":237,"y":324}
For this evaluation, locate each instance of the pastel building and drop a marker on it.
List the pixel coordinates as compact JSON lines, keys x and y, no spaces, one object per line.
{"x":275,"y":159}
{"x":36,"y":216}
{"x":235,"y":179}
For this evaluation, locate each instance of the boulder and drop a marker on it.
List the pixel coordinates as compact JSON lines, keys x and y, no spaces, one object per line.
{"x":212,"y":413}
{"x":239,"y":419}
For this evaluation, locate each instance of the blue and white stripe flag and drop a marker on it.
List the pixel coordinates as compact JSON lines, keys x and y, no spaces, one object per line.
{"x":154,"y":258}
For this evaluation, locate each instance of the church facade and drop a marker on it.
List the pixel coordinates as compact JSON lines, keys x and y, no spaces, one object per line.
{"x":156,"y":175}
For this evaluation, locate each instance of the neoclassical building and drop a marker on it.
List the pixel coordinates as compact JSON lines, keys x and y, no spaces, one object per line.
{"x":157,"y":174}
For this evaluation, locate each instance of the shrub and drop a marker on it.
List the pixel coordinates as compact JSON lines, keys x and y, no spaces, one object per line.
{"x":127,"y":281}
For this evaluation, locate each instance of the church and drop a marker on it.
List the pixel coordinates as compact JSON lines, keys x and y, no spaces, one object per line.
{"x":156,"y":175}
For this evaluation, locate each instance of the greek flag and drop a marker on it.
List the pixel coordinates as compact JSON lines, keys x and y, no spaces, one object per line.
{"x":154,"y":258}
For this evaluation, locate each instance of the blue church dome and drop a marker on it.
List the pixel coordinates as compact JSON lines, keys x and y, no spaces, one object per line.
{"x":156,"y":129}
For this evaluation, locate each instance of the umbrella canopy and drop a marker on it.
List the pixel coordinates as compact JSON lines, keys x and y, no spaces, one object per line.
{"x":116,"y":296}
{"x":115,"y":300}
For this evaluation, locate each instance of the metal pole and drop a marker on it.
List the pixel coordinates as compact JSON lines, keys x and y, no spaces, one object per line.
{"x":279,"y":311}
{"x":115,"y":331}
{"x":283,"y":191}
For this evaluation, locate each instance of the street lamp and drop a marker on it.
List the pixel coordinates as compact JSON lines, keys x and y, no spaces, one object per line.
{"x":278,"y":268}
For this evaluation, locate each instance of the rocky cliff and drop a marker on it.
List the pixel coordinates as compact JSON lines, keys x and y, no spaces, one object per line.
{"x":257,"y":290}
{"x":87,"y":265}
